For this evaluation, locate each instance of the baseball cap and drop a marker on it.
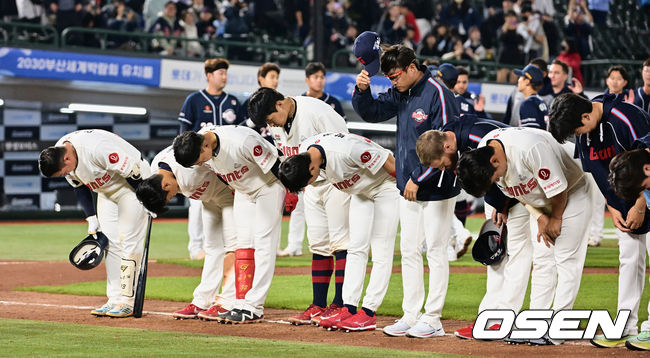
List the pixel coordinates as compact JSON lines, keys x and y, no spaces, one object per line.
{"x":533,"y":73}
{"x":366,"y":50}
{"x":447,"y":72}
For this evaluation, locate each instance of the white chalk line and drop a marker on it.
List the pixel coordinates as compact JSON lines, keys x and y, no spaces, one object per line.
{"x":70,"y":307}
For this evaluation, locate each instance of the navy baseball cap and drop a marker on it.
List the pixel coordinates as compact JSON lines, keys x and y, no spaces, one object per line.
{"x":447,"y":72}
{"x":533,"y":73}
{"x":366,"y":50}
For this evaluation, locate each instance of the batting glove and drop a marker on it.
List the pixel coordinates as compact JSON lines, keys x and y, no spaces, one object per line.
{"x":290,"y":201}
{"x":93,"y":224}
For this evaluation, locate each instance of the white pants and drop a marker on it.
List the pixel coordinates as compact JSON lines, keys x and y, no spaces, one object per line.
{"x":507,"y":281}
{"x":124,"y":221}
{"x":597,"y":210}
{"x":220,"y":237}
{"x":195,"y":227}
{"x":631,"y":278}
{"x":258,"y":221}
{"x":373,"y":225}
{"x":326,"y":214}
{"x":297,"y":224}
{"x":425,"y":221}
{"x":557,"y":270}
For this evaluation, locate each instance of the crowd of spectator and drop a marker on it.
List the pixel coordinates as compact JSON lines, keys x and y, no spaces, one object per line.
{"x":511,"y":32}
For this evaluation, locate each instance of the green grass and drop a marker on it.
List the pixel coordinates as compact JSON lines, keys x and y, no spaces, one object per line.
{"x":597,"y":291}
{"x":20,"y":338}
{"x":169,"y":245}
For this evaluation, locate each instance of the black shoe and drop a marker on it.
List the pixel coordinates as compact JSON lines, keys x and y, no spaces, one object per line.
{"x":238,"y":316}
{"x":515,"y":341}
{"x":224,"y":316}
{"x":544,"y":341}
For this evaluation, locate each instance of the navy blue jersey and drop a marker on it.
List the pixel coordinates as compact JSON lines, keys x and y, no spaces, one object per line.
{"x":471,"y":97}
{"x":332,"y":101}
{"x":464,"y":106}
{"x":201,"y":107}
{"x":426,"y":105}
{"x":533,"y":113}
{"x":642,"y":99}
{"x":469,"y":131}
{"x":621,"y":124}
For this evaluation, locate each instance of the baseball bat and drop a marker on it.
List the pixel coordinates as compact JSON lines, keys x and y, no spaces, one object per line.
{"x":142,"y":276}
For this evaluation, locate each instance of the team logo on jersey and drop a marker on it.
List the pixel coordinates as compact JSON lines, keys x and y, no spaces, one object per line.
{"x":233,"y":102}
{"x":542,"y":107}
{"x":544,"y":174}
{"x":365,"y":157}
{"x":257,"y":150}
{"x":464,"y":107}
{"x":207,"y":109}
{"x":419,"y":116}
{"x":229,"y":115}
{"x":113,"y":158}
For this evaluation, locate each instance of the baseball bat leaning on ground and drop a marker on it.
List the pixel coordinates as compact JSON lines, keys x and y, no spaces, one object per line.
{"x":142,"y":276}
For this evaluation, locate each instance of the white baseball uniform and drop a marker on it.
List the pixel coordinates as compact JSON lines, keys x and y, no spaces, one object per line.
{"x":244,"y":160}
{"x":539,"y":168}
{"x":353,"y":164}
{"x":326,"y":209}
{"x":204,"y":186}
{"x":104,"y":160}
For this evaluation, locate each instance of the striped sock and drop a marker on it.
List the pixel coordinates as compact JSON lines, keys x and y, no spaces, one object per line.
{"x":339,"y":275}
{"x":321,"y":274}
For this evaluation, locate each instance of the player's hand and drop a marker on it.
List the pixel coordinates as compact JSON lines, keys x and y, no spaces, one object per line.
{"x":479,"y":105}
{"x":93,"y":224}
{"x":554,"y":228}
{"x":635,"y":217}
{"x":542,"y":223}
{"x":617,"y":219}
{"x":290,"y":201}
{"x":363,"y":80}
{"x":577,"y":86}
{"x":499,"y":218}
{"x":411,"y":191}
{"x":629,"y":97}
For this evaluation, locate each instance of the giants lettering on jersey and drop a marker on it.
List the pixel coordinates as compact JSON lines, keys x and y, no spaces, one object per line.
{"x":199,"y":191}
{"x":602,"y":154}
{"x":99,"y":182}
{"x":235,"y":175}
{"x":347,"y":183}
{"x":288,"y":151}
{"x":523,"y":188}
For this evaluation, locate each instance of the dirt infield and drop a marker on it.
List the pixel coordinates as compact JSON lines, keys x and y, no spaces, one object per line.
{"x":75,"y":309}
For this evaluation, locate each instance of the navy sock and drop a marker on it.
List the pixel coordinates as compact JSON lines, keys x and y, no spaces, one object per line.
{"x":370,"y":313}
{"x":321,"y":274}
{"x":351,"y":309}
{"x":339,"y":276}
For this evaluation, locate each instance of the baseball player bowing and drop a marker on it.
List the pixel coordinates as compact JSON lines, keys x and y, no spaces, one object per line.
{"x":249,"y":164}
{"x":604,"y":127}
{"x":507,"y":280}
{"x":529,"y":165}
{"x":365,"y":170}
{"x":420,"y":103}
{"x":202,"y":184}
{"x":101,"y":161}
{"x":292,"y":120}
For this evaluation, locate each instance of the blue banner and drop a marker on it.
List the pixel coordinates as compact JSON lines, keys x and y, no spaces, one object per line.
{"x":341,"y":85}
{"x":79,"y":67}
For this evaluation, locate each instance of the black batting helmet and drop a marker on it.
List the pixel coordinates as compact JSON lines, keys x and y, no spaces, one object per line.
{"x":490,"y":247}
{"x":89,"y":252}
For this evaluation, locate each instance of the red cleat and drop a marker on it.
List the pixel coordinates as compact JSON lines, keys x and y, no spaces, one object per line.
{"x":306,"y":317}
{"x":332,"y":322}
{"x":466,"y":333}
{"x":328,"y":313}
{"x":358,"y":322}
{"x":189,"y":312}
{"x":211,"y":313}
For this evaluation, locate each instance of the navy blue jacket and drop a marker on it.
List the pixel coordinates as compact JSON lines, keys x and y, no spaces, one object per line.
{"x":641,"y":99}
{"x":201,"y":107}
{"x":469,"y":131}
{"x":471,"y":97}
{"x":426,"y":105}
{"x":533,"y":113}
{"x":465,"y":106}
{"x":620,"y":126}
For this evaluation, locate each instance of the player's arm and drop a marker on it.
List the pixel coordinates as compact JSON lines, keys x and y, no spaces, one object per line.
{"x":389,"y":165}
{"x":262,"y":152}
{"x":375,"y":110}
{"x":338,"y":108}
{"x":118,"y":160}
{"x":370,"y":155}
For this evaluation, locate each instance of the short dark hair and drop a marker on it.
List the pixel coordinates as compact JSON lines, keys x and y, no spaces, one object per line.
{"x":626,"y":173}
{"x":50,"y":160}
{"x":314,"y":67}
{"x":151,"y":194}
{"x":540,"y":63}
{"x":262,"y":103}
{"x":396,"y":56}
{"x":187,"y":148}
{"x":565,"y":115}
{"x":294,"y":172}
{"x":265,"y":69}
{"x":462,"y":70}
{"x":646,"y":63}
{"x":215,"y":64}
{"x":620,"y":70}
{"x":475,"y":171}
{"x":562,"y":64}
